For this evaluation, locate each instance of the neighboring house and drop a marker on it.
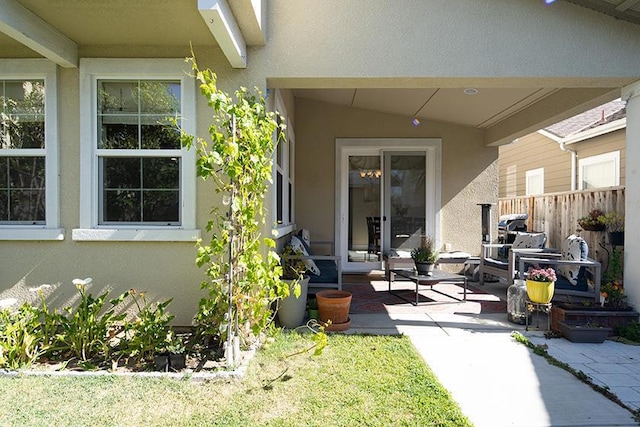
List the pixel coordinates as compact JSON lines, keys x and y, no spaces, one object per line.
{"x":580,"y":153}
{"x":394,"y":109}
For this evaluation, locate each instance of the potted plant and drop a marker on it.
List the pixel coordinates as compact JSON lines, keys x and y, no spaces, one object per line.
{"x":291,"y":310}
{"x":614,"y":224}
{"x":593,"y":221}
{"x":541,"y":284}
{"x":425,"y":256}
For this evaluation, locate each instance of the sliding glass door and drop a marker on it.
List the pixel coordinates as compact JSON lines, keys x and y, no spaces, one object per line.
{"x":386,"y":200}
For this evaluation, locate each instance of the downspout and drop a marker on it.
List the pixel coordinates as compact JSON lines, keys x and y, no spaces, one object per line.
{"x":574,"y":156}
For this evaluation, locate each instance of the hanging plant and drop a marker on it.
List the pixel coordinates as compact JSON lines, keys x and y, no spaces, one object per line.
{"x":243,"y":271}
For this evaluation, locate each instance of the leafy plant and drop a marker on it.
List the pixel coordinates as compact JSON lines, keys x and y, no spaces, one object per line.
{"x":613,"y":221}
{"x":85,"y":331}
{"x":630,"y":331}
{"x":615,"y":270}
{"x":147,"y":333}
{"x":21,"y":337}
{"x":242,"y":268}
{"x":593,"y":219}
{"x":426,"y":251}
{"x":292,"y":266}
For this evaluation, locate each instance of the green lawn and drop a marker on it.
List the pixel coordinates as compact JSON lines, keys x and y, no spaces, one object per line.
{"x":358,"y":380}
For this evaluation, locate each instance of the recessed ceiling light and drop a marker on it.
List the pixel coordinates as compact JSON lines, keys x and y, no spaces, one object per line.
{"x":471,"y":91}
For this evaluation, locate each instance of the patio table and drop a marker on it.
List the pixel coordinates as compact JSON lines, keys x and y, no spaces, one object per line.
{"x":432,"y":280}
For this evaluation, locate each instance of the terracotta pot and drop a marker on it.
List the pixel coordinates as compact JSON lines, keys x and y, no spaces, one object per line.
{"x":334,"y":305}
{"x":540,"y":292}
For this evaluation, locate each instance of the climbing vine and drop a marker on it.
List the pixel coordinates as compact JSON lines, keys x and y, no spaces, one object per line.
{"x":243,"y":271}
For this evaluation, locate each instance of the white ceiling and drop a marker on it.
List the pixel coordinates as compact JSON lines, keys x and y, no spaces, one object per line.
{"x":483,"y":109}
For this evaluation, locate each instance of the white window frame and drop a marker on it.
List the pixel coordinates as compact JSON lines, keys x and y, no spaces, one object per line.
{"x":39,"y":69}
{"x":534,"y":173}
{"x":287,"y":169}
{"x":92,"y":70}
{"x":613,"y":156}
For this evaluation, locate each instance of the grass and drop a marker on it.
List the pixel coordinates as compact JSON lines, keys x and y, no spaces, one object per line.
{"x":357,"y":381}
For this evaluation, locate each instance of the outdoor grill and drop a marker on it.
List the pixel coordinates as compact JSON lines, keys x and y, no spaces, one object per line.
{"x":509,"y":225}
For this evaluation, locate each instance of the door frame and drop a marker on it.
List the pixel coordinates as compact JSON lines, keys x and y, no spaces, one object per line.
{"x":433,"y":151}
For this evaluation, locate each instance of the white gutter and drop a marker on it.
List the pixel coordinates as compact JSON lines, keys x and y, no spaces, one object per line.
{"x":574,"y":156}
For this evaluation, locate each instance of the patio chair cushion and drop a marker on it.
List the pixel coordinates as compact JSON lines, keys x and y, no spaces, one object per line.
{"x":574,"y":248}
{"x":328,"y":272}
{"x":526,"y":240}
{"x":298,"y":245}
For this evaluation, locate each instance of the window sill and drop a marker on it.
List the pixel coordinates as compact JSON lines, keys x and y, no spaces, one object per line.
{"x":134,"y":235}
{"x":282,"y":230}
{"x":31,"y":233}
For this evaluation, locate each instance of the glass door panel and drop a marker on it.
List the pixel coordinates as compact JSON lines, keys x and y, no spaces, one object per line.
{"x":405,"y":201}
{"x":363,"y":228}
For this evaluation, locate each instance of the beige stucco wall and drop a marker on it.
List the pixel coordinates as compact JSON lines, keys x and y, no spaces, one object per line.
{"x":333,"y":44}
{"x":469,"y":169}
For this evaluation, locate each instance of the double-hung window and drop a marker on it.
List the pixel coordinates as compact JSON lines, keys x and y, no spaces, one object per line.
{"x":29,"y":207}
{"x":139,"y":183}
{"x":283,"y":170}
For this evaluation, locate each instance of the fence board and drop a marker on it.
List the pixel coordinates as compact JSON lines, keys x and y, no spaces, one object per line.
{"x":557,"y":215}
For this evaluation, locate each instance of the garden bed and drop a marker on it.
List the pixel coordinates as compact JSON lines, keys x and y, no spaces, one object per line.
{"x":604,"y":316}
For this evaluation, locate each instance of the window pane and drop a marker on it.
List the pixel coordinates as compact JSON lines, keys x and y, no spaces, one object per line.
{"x":279,"y":199}
{"x":159,"y":97}
{"x":161,"y":206}
{"x":118,"y":132}
{"x":161,"y":172}
{"x":23,"y":114}
{"x":158,"y":134}
{"x":599,"y":175}
{"x":121,"y":172}
{"x":26,"y":97}
{"x":117,"y":97}
{"x":122,"y":206}
{"x":22,"y":189}
{"x":141,"y":189}
{"x":137,"y":114}
{"x":23,"y":132}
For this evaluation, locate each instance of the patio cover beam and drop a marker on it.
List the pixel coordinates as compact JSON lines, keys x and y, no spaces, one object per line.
{"x":26,"y":27}
{"x":222,"y":24}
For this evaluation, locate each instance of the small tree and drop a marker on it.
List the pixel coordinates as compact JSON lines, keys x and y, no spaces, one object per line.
{"x":243,"y":271}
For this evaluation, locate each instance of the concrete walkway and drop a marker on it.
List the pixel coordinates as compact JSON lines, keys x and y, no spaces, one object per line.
{"x":499,"y":382}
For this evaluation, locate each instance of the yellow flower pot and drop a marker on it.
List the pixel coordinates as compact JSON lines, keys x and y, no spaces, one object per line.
{"x":540,"y":292}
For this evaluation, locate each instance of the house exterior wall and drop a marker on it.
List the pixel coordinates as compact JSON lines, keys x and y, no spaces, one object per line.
{"x":345,"y":44}
{"x":469,"y":168}
{"x":538,"y":151}
{"x":532,"y":152}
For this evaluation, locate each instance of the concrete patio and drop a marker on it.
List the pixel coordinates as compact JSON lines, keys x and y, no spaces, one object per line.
{"x":499,"y":382}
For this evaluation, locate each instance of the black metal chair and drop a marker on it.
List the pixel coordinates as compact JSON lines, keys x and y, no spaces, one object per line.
{"x":373,"y":228}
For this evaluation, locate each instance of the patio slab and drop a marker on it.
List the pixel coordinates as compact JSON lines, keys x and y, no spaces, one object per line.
{"x":499,"y":382}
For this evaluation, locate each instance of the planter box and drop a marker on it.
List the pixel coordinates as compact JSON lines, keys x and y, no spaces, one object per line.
{"x":601,"y":316}
{"x":582,"y":333}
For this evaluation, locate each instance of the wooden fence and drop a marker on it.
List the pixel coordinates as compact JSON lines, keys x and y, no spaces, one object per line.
{"x":557,"y":215}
